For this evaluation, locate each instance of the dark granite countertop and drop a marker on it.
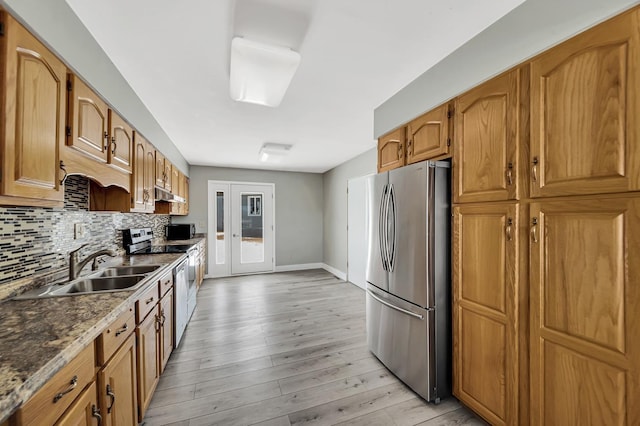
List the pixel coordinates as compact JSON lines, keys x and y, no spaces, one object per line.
{"x":39,"y":337}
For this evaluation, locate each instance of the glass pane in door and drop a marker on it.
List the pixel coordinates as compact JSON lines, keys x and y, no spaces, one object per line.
{"x":252,"y":243}
{"x":220,"y":254}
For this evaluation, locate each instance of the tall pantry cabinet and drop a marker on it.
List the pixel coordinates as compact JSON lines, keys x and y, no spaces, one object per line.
{"x":489,"y":288}
{"x":585,"y":228}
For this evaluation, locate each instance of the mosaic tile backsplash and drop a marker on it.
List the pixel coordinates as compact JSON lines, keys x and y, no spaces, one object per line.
{"x":37,"y":239}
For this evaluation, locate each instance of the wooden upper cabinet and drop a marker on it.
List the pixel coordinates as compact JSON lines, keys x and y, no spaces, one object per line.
{"x":391,"y":150}
{"x":33,"y":117}
{"x":485,"y":159}
{"x":150,"y":176}
{"x":120,"y":151}
{"x":139,"y":191}
{"x":585,"y":296}
{"x":160,"y":171}
{"x":486,"y":310}
{"x":585,"y":105}
{"x":168,"y":175}
{"x":428,"y":135}
{"x":88,"y":121}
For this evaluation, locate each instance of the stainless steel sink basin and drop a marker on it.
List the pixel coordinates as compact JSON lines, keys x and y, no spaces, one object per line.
{"x":90,"y":285}
{"x":117,"y":271}
{"x":116,"y":278}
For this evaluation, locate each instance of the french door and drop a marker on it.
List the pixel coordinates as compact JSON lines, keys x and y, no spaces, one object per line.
{"x":240,"y":228}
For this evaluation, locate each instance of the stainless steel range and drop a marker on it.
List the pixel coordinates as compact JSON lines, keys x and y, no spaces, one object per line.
{"x":138,"y":241}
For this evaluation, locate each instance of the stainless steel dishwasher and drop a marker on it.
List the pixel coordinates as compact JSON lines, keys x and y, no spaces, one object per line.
{"x":181,"y":286}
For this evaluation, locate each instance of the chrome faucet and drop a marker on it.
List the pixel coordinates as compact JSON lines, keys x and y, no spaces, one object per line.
{"x":76,"y":266}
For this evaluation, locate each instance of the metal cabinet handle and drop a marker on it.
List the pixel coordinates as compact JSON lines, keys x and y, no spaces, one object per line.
{"x":508,"y":230}
{"x":106,"y":138}
{"x":400,"y":153}
{"x":122,"y":330}
{"x":72,"y":385}
{"x":534,"y":230}
{"x":534,"y":169}
{"x":95,"y":412}
{"x":509,"y":174}
{"x":63,"y":168}
{"x":404,"y":311}
{"x":113,"y":398}
{"x":115,"y":146}
{"x":149,"y":300}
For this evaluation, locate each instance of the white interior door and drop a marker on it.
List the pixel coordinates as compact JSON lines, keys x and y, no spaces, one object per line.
{"x":241,"y":234}
{"x":357,"y":231}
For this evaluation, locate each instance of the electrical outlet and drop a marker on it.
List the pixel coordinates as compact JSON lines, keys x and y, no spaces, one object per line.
{"x":202,"y":224}
{"x":78,"y":231}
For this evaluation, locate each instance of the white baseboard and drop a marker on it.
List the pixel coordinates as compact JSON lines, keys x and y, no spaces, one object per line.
{"x":298,"y":267}
{"x":338,"y":273}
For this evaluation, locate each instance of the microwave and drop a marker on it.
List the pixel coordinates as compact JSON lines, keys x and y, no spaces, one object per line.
{"x":180,"y":231}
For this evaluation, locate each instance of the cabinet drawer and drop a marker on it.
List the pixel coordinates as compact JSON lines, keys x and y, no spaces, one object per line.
{"x":166,"y":283}
{"x":114,"y":335}
{"x":146,"y":302}
{"x":48,"y":404}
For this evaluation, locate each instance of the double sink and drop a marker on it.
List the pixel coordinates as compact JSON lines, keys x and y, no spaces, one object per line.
{"x":115,"y":278}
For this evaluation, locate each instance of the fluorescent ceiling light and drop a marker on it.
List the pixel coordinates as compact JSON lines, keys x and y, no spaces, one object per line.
{"x":273,"y":152}
{"x":261,"y":73}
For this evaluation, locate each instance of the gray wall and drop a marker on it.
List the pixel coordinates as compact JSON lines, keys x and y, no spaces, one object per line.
{"x":335,"y":206}
{"x":527,"y":30}
{"x":298,"y":208}
{"x":58,"y":26}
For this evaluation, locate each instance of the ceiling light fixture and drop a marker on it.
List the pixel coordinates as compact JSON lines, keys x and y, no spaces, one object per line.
{"x":274,"y":152}
{"x":260,"y":73}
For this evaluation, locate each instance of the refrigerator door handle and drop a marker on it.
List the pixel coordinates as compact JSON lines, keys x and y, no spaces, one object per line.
{"x":397,"y":308}
{"x":382,"y":231}
{"x":392,"y":224}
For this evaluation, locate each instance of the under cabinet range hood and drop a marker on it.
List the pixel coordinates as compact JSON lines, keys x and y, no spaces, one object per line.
{"x":164,"y":195}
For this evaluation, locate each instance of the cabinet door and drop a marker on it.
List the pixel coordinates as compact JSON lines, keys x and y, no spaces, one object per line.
{"x":88,"y":121}
{"x":176,"y":183}
{"x":161,"y":176}
{"x":139,"y":191}
{"x":150,"y":177}
{"x":428,"y":135}
{"x":147,"y":355}
{"x":185,"y":209}
{"x":33,"y":123}
{"x":84,"y":411}
{"x":166,"y":330}
{"x":485,"y":161}
{"x":584,"y":118}
{"x":585,"y":299}
{"x":168,"y":175}
{"x":117,"y":385}
{"x":121,"y":148}
{"x":391,"y":150}
{"x":485,"y":319}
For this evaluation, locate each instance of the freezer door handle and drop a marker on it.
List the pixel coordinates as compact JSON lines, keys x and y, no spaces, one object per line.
{"x":404,"y":311}
{"x":382,"y":229}
{"x":391,"y":236}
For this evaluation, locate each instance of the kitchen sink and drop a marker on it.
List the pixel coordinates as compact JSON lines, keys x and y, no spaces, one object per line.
{"x":117,"y":271}
{"x":90,"y":285}
{"x":115,"y":278}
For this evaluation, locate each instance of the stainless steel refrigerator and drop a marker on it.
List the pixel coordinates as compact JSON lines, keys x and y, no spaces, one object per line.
{"x":408,"y":275}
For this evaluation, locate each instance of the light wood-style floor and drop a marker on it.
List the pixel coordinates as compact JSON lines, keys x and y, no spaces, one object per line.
{"x":285,"y":349}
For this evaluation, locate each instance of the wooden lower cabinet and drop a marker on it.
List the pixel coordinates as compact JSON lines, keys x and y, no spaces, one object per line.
{"x":166,"y":329}
{"x":147,"y":355}
{"x":585,"y":299}
{"x":117,"y":386}
{"x":487,"y":304}
{"x":84,"y":411}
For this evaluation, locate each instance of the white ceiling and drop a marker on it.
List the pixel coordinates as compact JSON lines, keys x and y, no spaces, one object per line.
{"x":355,"y":55}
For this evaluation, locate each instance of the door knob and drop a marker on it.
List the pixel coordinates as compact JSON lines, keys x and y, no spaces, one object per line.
{"x":235,"y":235}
